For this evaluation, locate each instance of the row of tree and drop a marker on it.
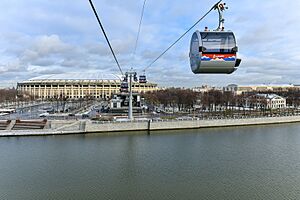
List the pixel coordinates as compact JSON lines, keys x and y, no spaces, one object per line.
{"x":186,"y":99}
{"x":12,"y":95}
{"x":183,"y":99}
{"x":213,"y":100}
{"x":8,"y":95}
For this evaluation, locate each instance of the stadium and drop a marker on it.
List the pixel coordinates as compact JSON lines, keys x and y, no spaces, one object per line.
{"x":78,"y":85}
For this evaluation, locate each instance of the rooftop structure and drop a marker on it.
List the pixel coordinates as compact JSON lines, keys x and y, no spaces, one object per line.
{"x":77,"y":77}
{"x":239,"y":89}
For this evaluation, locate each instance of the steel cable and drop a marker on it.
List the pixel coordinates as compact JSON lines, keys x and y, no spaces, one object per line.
{"x":107,"y":40}
{"x":139,"y":29}
{"x":182,"y":36}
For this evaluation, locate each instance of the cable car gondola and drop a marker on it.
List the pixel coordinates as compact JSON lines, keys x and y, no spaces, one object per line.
{"x":214,"y":51}
{"x":124,"y":87}
{"x":142,"y":79}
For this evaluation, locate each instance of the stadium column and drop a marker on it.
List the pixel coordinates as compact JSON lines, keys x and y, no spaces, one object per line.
{"x":72,"y":91}
{"x":51,"y":91}
{"x":65,"y":89}
{"x":45,"y":91}
{"x":103,"y":93}
{"x":109,"y":90}
{"x":39,"y":92}
{"x":96,"y":90}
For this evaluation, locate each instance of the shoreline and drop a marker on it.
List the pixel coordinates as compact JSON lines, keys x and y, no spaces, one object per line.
{"x":110,"y":128}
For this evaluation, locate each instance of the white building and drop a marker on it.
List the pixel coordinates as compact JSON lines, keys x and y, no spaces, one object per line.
{"x":270,"y":101}
{"x":231,"y":88}
{"x":120,"y":102}
{"x":206,"y":88}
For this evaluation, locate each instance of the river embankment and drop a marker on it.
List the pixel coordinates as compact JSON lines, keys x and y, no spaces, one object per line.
{"x":61,"y":127}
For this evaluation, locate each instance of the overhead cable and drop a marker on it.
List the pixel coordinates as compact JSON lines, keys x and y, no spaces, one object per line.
{"x":139,"y":29}
{"x":212,"y":8}
{"x":107,"y":40}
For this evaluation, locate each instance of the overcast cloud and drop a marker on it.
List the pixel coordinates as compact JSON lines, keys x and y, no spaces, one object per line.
{"x":45,"y":37}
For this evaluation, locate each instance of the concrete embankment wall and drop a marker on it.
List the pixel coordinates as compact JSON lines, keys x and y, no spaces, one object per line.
{"x":186,"y":124}
{"x":37,"y":133}
{"x":115,"y":126}
{"x":83,"y":127}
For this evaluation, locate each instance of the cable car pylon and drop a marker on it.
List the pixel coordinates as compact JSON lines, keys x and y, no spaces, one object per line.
{"x":131,"y":76}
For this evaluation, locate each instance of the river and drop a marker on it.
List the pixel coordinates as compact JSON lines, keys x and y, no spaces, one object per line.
{"x":255,"y":162}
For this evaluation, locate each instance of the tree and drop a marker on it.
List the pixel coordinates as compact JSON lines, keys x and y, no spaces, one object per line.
{"x":183,"y":99}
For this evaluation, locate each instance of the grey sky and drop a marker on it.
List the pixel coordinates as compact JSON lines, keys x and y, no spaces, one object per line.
{"x":42,"y":37}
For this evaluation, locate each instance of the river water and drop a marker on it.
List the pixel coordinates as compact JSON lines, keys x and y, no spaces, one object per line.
{"x":257,"y":162}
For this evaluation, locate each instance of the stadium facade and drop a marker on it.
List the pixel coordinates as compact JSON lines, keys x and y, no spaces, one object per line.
{"x":78,"y":85}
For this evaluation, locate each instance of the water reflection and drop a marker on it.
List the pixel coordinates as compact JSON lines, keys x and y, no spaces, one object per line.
{"x":260,"y":162}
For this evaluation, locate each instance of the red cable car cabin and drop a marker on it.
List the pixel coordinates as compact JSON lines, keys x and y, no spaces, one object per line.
{"x":213,"y":52}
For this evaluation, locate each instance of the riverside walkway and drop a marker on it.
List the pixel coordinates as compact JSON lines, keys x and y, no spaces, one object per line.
{"x":60,"y":127}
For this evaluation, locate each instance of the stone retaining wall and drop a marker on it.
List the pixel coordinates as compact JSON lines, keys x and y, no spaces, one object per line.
{"x":86,"y":126}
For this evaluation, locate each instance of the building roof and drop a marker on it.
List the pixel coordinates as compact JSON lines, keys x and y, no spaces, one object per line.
{"x":269,"y":96}
{"x":267,"y":85}
{"x":71,"y":78}
{"x":77,"y":76}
